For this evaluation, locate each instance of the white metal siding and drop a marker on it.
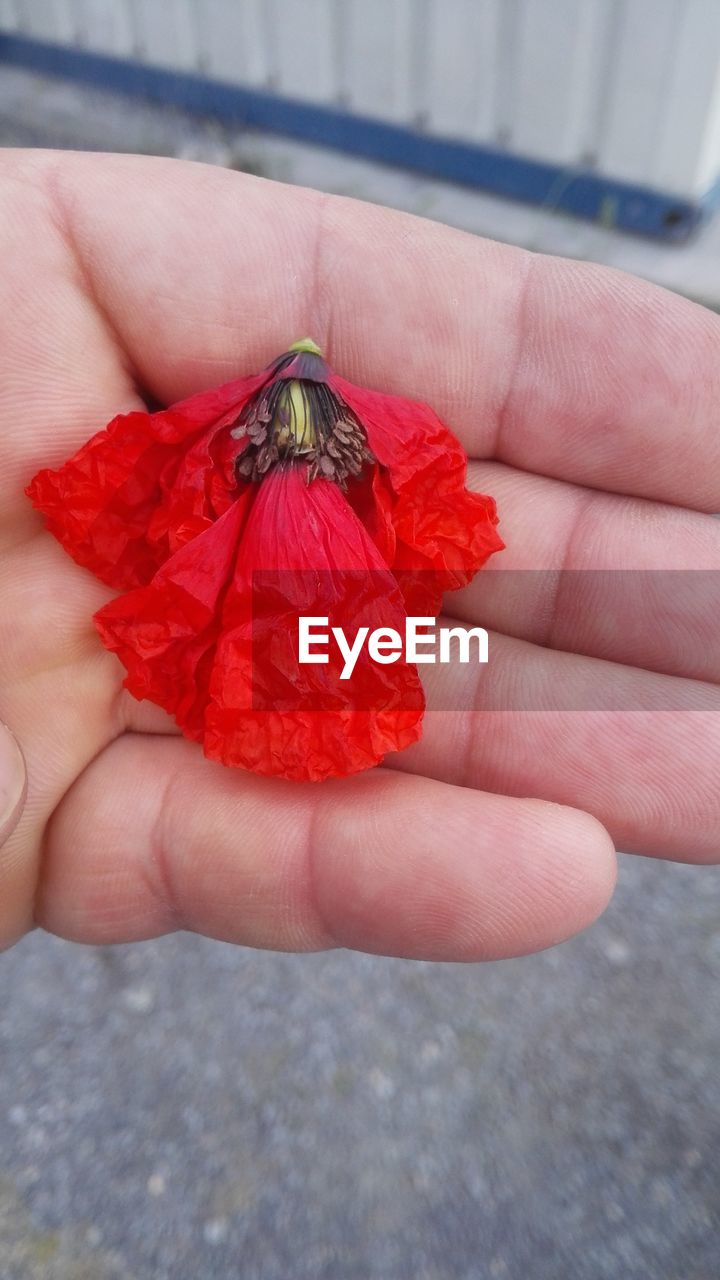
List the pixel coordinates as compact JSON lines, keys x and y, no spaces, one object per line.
{"x":377,"y":40}
{"x":47,"y":19}
{"x":460,"y":95}
{"x":556,"y":59}
{"x":106,"y":28}
{"x":233,"y":42}
{"x":688,"y":153}
{"x":303,"y":49}
{"x":166,"y":32}
{"x":631,"y":86}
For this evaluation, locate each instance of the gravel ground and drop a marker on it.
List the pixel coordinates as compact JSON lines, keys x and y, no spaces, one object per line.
{"x":183,"y":1110}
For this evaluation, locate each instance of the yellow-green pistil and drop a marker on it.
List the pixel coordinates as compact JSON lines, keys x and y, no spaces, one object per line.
{"x":293,"y":425}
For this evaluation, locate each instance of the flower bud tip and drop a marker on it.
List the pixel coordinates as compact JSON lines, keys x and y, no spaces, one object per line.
{"x":306,"y":345}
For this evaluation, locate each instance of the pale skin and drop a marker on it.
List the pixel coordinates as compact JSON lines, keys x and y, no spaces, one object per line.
{"x":589,"y":404}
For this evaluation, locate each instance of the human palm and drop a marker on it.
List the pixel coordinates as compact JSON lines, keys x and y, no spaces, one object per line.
{"x":587,"y":403}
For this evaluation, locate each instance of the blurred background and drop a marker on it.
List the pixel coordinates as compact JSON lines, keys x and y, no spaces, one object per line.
{"x":182,"y":1109}
{"x":607,"y":110}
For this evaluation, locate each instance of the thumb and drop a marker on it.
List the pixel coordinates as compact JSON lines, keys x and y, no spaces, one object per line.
{"x":13,"y":780}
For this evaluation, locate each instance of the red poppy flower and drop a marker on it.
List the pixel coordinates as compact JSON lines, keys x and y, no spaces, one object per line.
{"x":231,"y":515}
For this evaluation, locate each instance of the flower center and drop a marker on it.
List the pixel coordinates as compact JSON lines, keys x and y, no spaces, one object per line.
{"x":300,"y":419}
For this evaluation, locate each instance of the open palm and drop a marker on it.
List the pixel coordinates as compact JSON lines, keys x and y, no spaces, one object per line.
{"x":587,"y":402}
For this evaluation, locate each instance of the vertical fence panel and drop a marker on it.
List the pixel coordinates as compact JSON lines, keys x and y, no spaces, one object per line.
{"x":303,"y":49}
{"x":233,"y":41}
{"x":506,"y":76}
{"x":105,"y":27}
{"x":166,"y":32}
{"x":461,"y":89}
{"x":708,"y":169}
{"x":688,"y":155}
{"x":637,"y":89}
{"x":53,"y":20}
{"x":557,"y":46}
{"x":9,"y":17}
{"x":378,"y":58}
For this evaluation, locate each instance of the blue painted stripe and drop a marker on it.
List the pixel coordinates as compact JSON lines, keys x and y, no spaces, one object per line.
{"x":585,"y":194}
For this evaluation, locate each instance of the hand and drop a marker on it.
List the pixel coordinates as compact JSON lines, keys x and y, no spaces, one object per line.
{"x":595,"y":396}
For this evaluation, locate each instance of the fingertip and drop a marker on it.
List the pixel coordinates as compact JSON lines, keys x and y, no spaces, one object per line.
{"x":582,"y":873}
{"x":432,"y":871}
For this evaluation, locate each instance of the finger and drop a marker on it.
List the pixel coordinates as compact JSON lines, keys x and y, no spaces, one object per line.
{"x":566,"y":369}
{"x":63,"y":374}
{"x":638,"y":750}
{"x":383,"y":863}
{"x":632,"y":581}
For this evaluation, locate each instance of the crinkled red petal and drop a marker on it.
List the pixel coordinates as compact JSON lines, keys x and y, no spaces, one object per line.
{"x":165,"y":633}
{"x":443,"y":533}
{"x":142,"y":487}
{"x":219,"y":572}
{"x":213,"y":638}
{"x":316,"y":560}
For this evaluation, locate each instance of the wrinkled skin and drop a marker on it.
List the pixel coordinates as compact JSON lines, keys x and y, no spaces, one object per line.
{"x":588,"y":402}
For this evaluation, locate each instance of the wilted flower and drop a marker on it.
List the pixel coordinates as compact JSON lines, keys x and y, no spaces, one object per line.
{"x":228,"y":516}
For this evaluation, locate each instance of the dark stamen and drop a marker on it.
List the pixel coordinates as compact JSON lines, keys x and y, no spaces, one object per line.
{"x":304,"y":421}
